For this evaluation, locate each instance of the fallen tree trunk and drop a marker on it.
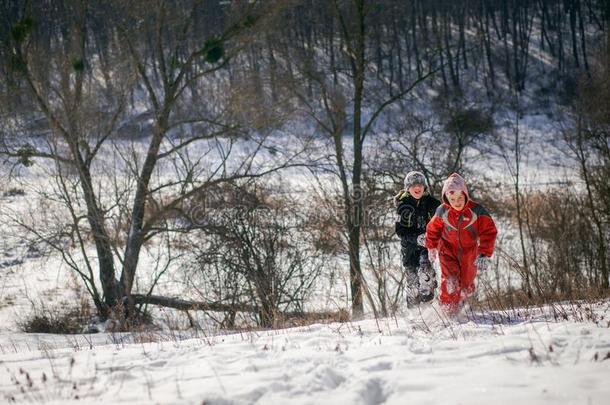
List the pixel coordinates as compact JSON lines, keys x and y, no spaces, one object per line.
{"x":185,"y":305}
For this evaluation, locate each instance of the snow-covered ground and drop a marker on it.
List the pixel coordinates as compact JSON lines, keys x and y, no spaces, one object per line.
{"x":416,"y":358}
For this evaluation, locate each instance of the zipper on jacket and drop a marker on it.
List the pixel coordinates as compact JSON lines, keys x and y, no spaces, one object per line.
{"x":459,"y":228}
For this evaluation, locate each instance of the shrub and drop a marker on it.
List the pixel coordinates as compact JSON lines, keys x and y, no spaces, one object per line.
{"x":13,"y":192}
{"x":255,"y":251}
{"x":56,"y":319}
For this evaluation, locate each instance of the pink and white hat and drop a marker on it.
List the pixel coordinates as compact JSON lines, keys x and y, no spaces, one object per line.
{"x":454,"y":183}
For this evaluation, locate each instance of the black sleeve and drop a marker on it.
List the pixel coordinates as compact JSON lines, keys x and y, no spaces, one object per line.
{"x":434,"y":204}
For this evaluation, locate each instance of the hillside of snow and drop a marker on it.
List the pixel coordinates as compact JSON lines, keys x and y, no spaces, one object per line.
{"x":419,"y":357}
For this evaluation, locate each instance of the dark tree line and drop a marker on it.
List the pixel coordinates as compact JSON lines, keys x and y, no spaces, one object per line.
{"x":493,"y":40}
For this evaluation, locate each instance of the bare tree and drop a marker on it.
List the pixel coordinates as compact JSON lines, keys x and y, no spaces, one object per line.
{"x":588,"y":143}
{"x":159,"y":71}
{"x":66,"y":96}
{"x":337,"y":104}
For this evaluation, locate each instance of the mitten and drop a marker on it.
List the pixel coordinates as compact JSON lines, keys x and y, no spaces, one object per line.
{"x":482,"y":262}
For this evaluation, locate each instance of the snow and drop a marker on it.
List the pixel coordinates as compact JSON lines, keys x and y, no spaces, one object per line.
{"x":418,"y":357}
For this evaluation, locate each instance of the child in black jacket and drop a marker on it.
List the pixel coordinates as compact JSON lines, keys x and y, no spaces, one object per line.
{"x":415,"y":207}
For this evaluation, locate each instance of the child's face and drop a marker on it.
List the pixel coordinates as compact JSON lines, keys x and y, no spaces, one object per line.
{"x":456,"y":199}
{"x":416,"y":191}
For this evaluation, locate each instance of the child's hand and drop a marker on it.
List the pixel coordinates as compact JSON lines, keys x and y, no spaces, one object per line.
{"x":421,"y":240}
{"x":432,"y":255}
{"x":482,"y":262}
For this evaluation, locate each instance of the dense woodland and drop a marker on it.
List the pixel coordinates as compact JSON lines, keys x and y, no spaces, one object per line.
{"x":143,"y":112}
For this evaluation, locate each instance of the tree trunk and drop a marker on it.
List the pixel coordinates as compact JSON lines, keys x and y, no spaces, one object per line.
{"x":355,"y":223}
{"x":135,"y":237}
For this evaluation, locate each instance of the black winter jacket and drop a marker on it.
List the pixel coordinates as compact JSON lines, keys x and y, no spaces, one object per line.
{"x":413,"y":215}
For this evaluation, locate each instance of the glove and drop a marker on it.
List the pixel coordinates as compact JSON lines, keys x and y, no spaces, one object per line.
{"x":432,"y":255}
{"x":482,"y":262}
{"x":421,"y":240}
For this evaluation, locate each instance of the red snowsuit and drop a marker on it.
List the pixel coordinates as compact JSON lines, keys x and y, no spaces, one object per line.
{"x":460,"y":237}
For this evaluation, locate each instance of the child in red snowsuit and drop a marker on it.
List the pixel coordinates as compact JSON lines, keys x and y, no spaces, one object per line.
{"x":462,"y":236}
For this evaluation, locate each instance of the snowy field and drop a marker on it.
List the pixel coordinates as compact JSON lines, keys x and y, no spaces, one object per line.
{"x":417,"y":358}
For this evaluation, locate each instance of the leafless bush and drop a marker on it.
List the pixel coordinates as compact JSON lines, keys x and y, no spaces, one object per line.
{"x":254,"y":251}
{"x":13,"y":192}
{"x":561,"y":251}
{"x":56,"y":319}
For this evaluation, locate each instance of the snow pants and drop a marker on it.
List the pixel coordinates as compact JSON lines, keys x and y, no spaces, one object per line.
{"x":419,"y":273}
{"x":458,"y":273}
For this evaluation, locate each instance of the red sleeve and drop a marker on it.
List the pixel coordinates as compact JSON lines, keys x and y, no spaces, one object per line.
{"x":434,"y":229}
{"x":487,"y":235}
